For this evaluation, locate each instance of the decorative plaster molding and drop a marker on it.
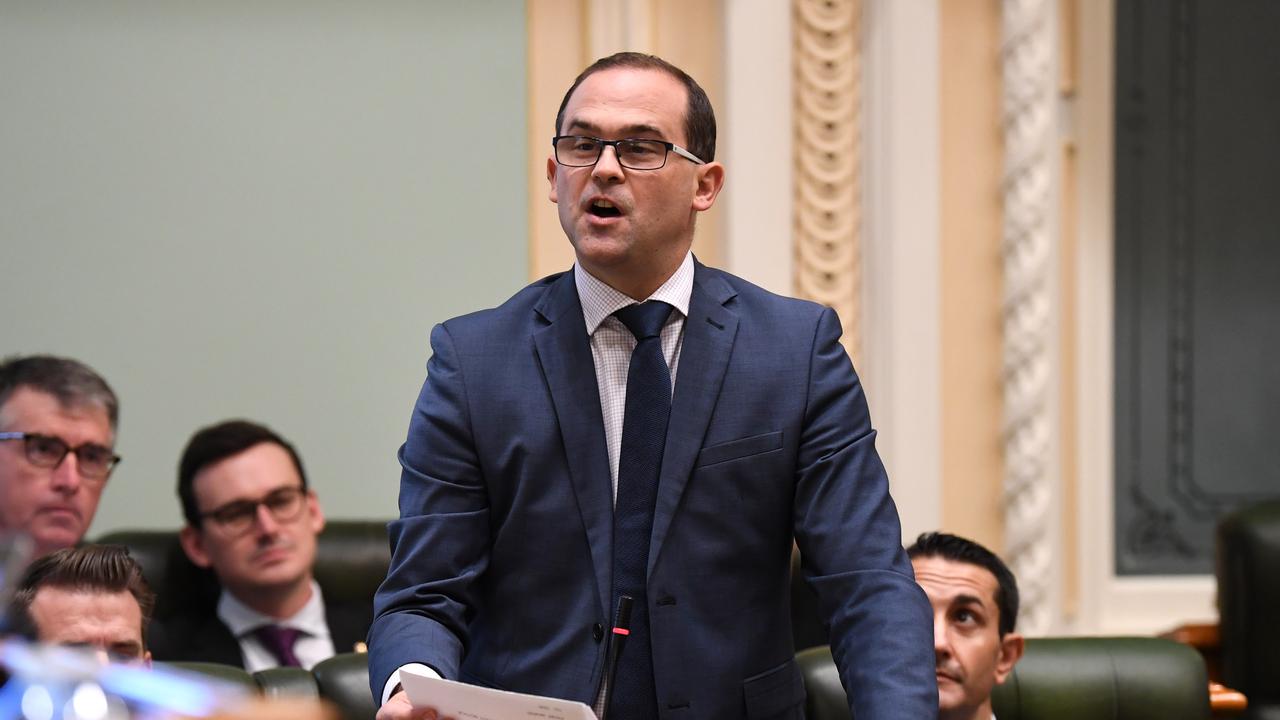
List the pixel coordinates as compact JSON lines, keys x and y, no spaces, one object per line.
{"x":827,"y":190}
{"x":1029,"y":307}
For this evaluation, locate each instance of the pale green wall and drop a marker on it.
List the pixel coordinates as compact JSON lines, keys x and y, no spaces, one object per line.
{"x":257,"y":209}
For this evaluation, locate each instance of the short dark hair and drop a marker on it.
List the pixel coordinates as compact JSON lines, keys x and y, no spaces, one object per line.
{"x":72,"y":382}
{"x":699,"y":118}
{"x":963,"y":550}
{"x":217,"y":443}
{"x":90,"y":568}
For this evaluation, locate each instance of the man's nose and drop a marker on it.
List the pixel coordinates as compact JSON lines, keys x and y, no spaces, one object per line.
{"x":66,"y":474}
{"x":941,"y":639}
{"x":266,"y":522}
{"x":607,"y":166}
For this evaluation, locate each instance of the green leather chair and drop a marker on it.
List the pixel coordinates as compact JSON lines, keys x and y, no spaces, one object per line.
{"x":1107,"y":678}
{"x":1248,"y":570}
{"x":351,"y":561}
{"x":226,"y":673}
{"x":344,"y":680}
{"x":281,"y":682}
{"x":286,"y":682}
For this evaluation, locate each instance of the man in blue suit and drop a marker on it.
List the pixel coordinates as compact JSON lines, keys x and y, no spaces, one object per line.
{"x":544,"y":476}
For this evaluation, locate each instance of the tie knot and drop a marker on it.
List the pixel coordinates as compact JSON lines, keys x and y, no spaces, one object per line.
{"x":645,"y":320}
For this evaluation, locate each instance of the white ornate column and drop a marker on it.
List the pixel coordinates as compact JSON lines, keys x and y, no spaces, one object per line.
{"x":1031,"y":311}
{"x":901,"y":251}
{"x":827,"y":168}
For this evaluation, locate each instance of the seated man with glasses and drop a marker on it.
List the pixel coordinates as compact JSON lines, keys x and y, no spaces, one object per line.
{"x":252,"y":520}
{"x":57,"y":439}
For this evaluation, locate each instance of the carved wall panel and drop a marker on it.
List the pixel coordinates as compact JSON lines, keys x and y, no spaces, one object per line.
{"x":827,"y":182}
{"x":1029,"y":107}
{"x":1197,"y":384}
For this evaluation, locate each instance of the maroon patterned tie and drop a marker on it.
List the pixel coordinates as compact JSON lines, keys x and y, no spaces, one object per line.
{"x":279,"y":640}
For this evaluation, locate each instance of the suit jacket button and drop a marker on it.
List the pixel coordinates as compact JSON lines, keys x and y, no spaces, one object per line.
{"x":597,"y":632}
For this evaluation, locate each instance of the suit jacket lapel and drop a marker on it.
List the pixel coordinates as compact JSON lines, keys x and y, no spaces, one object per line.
{"x":564,"y":354}
{"x":708,"y":342}
{"x":216,"y":644}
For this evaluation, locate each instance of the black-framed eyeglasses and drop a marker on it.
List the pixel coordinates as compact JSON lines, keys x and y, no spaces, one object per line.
{"x":93,"y":461}
{"x":632,"y":153}
{"x":284,"y":504}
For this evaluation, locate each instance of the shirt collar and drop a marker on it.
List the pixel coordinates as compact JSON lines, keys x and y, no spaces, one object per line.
{"x":599,"y":301}
{"x":241,"y":619}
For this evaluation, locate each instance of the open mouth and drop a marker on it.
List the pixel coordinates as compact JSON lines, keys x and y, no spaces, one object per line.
{"x":603,"y":209}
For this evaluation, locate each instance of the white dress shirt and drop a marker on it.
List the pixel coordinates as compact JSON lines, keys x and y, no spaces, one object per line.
{"x":313,"y":645}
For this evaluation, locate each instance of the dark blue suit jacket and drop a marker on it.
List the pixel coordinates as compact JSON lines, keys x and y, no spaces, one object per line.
{"x":501,"y":563}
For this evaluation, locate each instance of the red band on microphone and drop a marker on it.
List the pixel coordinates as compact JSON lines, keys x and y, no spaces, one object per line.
{"x":621,"y":631}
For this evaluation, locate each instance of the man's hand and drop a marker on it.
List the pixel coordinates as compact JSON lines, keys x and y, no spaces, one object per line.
{"x":398,"y":707}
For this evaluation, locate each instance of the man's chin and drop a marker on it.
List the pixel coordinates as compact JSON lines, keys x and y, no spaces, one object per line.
{"x":950,"y":694}
{"x":49,"y":537}
{"x":601,"y":246}
{"x":281,"y":572}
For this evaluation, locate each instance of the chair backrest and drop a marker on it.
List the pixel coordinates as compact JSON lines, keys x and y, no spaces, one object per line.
{"x":1107,"y":678}
{"x":344,"y":680}
{"x":1248,"y":569}
{"x":351,"y":561}
{"x":226,"y":673}
{"x":286,"y":682}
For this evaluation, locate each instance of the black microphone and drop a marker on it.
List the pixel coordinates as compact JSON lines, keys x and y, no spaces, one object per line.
{"x":621,"y":629}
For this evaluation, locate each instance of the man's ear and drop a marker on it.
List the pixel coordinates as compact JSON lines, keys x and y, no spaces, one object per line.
{"x":552,"y":167}
{"x":1012,"y":645}
{"x":192,"y":541}
{"x":710,"y":179}
{"x":317,"y":515}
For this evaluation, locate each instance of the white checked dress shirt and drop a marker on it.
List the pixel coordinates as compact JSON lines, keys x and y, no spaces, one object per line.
{"x":612,"y":343}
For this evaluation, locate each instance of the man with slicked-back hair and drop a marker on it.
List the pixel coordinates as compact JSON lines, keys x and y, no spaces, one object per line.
{"x":92,"y":596}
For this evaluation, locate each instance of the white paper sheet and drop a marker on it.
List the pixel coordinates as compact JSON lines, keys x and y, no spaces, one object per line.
{"x":472,"y":702}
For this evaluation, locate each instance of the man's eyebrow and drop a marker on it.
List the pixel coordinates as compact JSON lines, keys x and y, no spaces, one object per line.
{"x":625,"y":131}
{"x":966,"y":600}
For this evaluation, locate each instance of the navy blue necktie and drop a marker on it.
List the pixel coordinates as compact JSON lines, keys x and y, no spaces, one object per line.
{"x":644,"y":434}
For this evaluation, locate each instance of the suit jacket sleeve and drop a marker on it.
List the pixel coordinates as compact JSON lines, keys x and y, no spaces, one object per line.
{"x":439,"y":545}
{"x":850,"y":542}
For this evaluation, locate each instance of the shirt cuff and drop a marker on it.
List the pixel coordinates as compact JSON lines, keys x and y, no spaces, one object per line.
{"x":394,"y":680}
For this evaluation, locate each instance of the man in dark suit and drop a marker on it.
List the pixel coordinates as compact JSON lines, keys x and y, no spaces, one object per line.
{"x":252,"y":520}
{"x":644,"y":426}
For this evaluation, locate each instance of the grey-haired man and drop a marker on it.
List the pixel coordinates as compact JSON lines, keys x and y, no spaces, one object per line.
{"x":57,"y":448}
